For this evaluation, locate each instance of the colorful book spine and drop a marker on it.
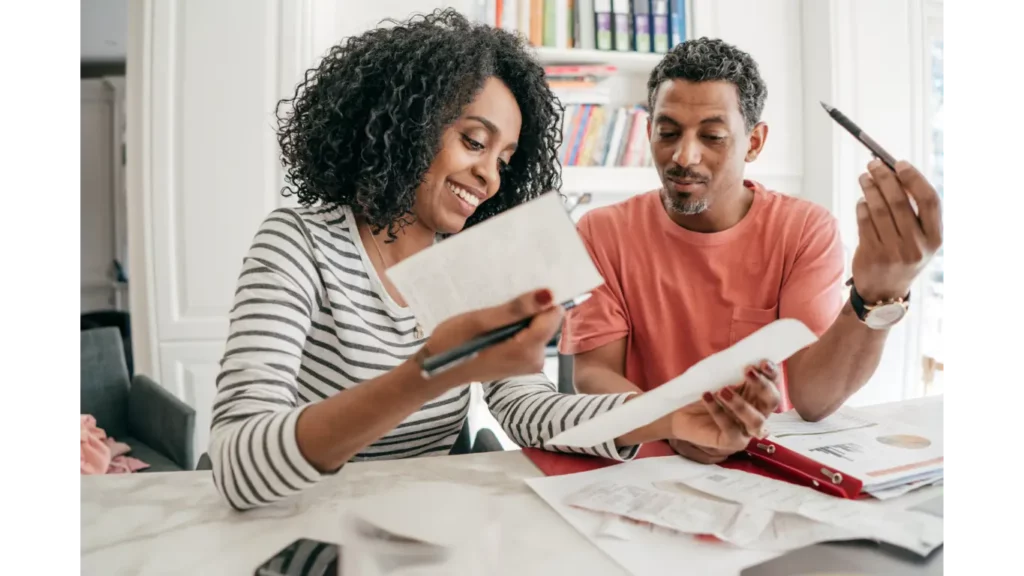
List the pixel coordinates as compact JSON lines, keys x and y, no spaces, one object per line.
{"x":622,"y":25}
{"x":642,"y":25}
{"x":659,"y":23}
{"x":603,"y":34}
{"x":677,"y":16}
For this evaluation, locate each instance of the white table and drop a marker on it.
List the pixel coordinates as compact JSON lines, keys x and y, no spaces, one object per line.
{"x":176,"y":523}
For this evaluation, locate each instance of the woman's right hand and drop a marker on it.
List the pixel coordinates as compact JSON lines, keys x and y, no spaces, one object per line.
{"x":521,"y":354}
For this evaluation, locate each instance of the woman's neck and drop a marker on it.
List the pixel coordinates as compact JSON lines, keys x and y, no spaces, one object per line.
{"x":408,"y":240}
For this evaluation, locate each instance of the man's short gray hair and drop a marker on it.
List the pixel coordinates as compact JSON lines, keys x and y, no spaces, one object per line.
{"x":710,"y":59}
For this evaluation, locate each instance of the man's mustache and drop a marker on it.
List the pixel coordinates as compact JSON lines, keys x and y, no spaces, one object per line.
{"x":682,"y":173}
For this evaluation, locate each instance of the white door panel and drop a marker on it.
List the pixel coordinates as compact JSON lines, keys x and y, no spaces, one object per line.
{"x":190,"y":372}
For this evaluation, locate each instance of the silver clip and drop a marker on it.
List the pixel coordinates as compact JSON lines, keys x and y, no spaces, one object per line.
{"x":835,"y":477}
{"x":769,"y":448}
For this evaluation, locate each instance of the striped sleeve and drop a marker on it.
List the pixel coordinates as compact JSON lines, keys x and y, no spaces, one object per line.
{"x":531,"y":412}
{"x":255,"y":456}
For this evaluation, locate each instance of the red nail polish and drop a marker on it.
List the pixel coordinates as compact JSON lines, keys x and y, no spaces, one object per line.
{"x":708,"y":397}
{"x":726,"y":394}
{"x":544,"y":297}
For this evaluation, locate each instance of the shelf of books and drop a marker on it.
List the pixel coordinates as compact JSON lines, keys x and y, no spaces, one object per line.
{"x":615,"y":26}
{"x":597,"y":56}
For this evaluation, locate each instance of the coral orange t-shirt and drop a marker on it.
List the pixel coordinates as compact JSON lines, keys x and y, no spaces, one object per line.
{"x":678,"y":296}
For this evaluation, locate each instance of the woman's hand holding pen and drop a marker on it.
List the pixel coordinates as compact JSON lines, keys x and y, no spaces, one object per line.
{"x":895,"y":243}
{"x":722,"y":424}
{"x":521,"y":354}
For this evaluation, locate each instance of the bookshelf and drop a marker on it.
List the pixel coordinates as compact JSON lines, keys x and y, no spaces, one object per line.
{"x":600,"y":76}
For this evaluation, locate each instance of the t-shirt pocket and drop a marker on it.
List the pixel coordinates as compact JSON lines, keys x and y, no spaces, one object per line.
{"x":746,"y":321}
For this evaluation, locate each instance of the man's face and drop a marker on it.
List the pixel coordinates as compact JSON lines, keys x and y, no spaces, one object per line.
{"x":699,"y":143}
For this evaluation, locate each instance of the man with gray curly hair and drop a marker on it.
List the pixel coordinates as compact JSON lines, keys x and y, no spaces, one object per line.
{"x":710,"y":257}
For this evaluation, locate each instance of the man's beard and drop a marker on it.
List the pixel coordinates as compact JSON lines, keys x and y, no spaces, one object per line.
{"x":688,"y":206}
{"x":684,"y":203}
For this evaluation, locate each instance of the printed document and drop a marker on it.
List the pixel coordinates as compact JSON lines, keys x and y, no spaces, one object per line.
{"x":776,"y":342}
{"x":532,"y":246}
{"x":881,"y":452}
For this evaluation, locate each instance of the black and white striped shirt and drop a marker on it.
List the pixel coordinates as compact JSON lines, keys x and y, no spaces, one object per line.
{"x":312,"y":319}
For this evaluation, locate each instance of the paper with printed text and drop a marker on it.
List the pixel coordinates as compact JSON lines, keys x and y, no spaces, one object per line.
{"x":776,"y":342}
{"x":531,"y":246}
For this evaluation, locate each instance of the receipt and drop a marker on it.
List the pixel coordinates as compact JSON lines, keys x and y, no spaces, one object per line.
{"x":776,"y":342}
{"x":675,"y":511}
{"x":916,"y":531}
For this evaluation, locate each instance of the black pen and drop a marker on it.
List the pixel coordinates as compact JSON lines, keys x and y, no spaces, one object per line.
{"x":438,"y":363}
{"x":859,"y":134}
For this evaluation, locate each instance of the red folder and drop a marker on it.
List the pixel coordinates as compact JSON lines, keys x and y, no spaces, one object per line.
{"x":761,"y":457}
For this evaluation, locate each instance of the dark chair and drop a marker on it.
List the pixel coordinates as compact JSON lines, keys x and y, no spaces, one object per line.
{"x":116,"y":319}
{"x":156,"y":425}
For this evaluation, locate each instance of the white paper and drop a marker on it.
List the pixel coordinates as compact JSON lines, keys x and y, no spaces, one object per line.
{"x":648,"y":549}
{"x":531,"y":246}
{"x":673,"y":510}
{"x":643,"y":550}
{"x":776,"y":342}
{"x":915,"y":531}
{"x":880,"y":452}
{"x":902,"y":489}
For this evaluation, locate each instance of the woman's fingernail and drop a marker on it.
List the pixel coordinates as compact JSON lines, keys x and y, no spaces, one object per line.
{"x":770,"y":368}
{"x":544,"y":297}
{"x":708,"y":397}
{"x":726,"y":394}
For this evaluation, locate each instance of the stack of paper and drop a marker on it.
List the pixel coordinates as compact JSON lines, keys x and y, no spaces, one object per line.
{"x":891,"y":457}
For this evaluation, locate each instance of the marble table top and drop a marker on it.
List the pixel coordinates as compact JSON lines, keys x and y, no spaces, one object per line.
{"x":176,"y":523}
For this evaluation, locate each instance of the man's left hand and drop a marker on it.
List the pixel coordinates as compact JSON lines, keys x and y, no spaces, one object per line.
{"x":895,"y":244}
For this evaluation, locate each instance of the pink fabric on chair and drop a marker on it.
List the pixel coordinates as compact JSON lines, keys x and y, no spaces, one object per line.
{"x":103,"y":455}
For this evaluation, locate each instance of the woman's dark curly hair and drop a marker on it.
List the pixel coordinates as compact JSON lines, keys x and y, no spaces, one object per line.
{"x":363,"y":127}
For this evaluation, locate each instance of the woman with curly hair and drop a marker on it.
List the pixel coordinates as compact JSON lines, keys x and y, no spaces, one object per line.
{"x":399,"y":136}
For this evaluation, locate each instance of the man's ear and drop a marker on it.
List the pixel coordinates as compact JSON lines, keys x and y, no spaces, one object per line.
{"x":756,"y":139}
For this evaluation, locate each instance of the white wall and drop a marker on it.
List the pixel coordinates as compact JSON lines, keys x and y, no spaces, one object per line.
{"x":97,"y":195}
{"x":104,"y":30}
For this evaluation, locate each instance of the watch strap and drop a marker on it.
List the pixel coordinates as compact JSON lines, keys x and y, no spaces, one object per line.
{"x":860,"y":307}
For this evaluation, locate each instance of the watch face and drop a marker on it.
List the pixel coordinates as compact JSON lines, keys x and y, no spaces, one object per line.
{"x":885,"y":316}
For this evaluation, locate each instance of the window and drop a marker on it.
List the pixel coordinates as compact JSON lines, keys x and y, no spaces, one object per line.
{"x":931,"y":302}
